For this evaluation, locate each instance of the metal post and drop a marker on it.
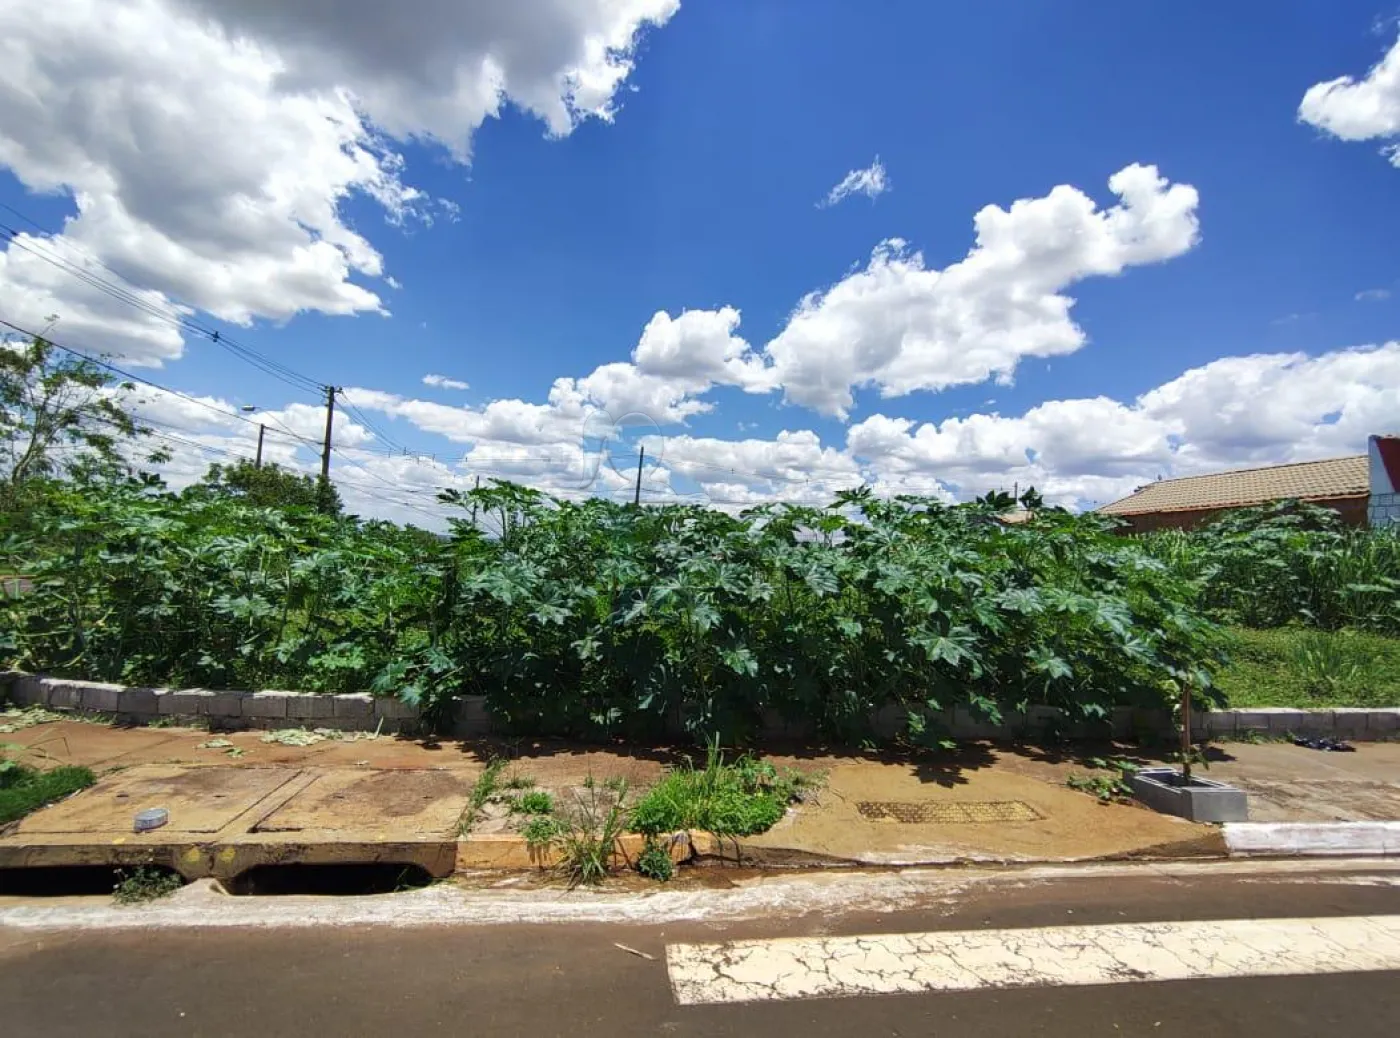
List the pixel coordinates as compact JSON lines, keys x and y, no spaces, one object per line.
{"x":1186,"y":731}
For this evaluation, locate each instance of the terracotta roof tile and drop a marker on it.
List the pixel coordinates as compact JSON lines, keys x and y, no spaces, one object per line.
{"x":1335,"y":477}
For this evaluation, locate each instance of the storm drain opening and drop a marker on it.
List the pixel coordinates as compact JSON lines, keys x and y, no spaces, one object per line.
{"x":72,"y":880}
{"x":935,"y":812}
{"x":339,"y":880}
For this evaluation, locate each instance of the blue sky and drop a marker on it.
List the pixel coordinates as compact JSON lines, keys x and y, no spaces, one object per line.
{"x":546,"y":252}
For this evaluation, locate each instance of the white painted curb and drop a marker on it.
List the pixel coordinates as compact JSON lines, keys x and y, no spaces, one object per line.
{"x":1313,"y":839}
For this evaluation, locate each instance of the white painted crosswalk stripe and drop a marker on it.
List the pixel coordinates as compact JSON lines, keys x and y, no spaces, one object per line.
{"x":878,"y":964}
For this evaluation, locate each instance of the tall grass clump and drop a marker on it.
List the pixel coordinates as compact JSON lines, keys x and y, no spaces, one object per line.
{"x":738,"y":799}
{"x":1289,"y":562}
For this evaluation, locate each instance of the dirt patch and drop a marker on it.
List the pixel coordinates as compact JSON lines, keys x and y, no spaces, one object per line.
{"x":383,"y":805}
{"x":501,"y":813}
{"x":1069,"y":825}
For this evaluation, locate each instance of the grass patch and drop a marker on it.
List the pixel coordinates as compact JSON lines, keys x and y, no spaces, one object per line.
{"x":1307,"y":668}
{"x":741,"y":798}
{"x":144,"y":884}
{"x":535,"y":802}
{"x":541,"y":831}
{"x":24,"y":790}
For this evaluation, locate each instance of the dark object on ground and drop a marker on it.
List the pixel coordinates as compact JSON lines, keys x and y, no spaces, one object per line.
{"x":1322,"y":742}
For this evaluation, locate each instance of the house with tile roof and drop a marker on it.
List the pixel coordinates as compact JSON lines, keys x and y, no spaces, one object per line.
{"x":1342,"y":484}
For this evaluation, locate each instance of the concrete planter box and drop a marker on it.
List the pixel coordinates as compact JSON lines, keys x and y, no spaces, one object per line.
{"x":1203,"y":800}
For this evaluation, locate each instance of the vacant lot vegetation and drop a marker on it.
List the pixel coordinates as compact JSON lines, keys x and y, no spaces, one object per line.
{"x":1290,"y":563}
{"x":596,"y":618}
{"x":1311,"y":669}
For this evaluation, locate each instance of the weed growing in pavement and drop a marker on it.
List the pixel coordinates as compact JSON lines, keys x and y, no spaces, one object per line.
{"x":487,"y":785}
{"x":145,"y":884}
{"x":541,"y":831}
{"x":655,"y":862}
{"x":738,"y":799}
{"x":1108,"y":788}
{"x":589,"y":829}
{"x":535,"y":802}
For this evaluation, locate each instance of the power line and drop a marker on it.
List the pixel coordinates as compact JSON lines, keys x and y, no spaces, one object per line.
{"x":138,"y":378}
{"x":282,"y":372}
{"x":264,"y":363}
{"x":355,"y":410}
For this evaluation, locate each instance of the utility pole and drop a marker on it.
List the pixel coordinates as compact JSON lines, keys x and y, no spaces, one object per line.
{"x":478,"y":487}
{"x":637,"y":497}
{"x":326,"y":444}
{"x":257,"y":464}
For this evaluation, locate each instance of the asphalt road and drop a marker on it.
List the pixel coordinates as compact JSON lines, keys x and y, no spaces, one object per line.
{"x":571,"y":979}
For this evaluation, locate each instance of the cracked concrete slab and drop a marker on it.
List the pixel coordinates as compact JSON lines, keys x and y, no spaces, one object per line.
{"x":885,"y":964}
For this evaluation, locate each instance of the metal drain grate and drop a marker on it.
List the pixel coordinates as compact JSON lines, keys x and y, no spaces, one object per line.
{"x":941,"y":813}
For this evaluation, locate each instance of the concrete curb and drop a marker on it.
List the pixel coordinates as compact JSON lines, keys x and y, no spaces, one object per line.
{"x":1312,"y":839}
{"x":362,"y":712}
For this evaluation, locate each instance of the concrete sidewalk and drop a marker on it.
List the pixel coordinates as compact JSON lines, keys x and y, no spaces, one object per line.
{"x":237,"y":800}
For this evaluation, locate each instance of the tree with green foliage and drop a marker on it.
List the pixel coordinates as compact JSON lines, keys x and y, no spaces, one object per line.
{"x":59,"y":417}
{"x":268,"y":486}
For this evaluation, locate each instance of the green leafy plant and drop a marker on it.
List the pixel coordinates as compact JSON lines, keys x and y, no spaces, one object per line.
{"x":595,"y":619}
{"x":1290,"y":562}
{"x":541,"y":830}
{"x":654,"y":862}
{"x":535,"y":802}
{"x":144,"y":884}
{"x":737,"y":799}
{"x":1107,"y":788}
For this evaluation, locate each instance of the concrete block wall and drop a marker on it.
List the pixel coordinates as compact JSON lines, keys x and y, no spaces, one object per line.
{"x":1383,"y":509}
{"x":362,"y":712}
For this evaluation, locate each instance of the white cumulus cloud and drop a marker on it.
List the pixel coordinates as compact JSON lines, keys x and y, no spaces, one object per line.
{"x":208,"y":145}
{"x":1363,"y":109}
{"x":903,"y":326}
